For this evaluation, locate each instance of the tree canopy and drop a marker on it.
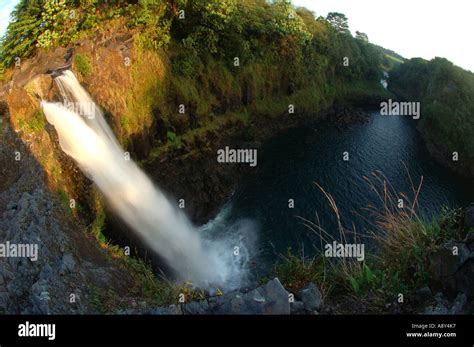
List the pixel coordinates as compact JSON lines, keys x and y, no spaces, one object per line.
{"x":339,"y":22}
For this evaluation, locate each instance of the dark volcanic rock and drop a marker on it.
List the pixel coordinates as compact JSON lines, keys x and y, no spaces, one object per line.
{"x":465,"y":278}
{"x":469,"y":217}
{"x":271,"y":298}
{"x":445,"y":262}
{"x":311,"y":297}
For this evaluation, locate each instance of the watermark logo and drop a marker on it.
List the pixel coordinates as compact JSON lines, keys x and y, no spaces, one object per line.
{"x":229,"y":155}
{"x":348,"y":250}
{"x":37,"y":330}
{"x":84,"y":109}
{"x":395,"y":108}
{"x":20,"y":250}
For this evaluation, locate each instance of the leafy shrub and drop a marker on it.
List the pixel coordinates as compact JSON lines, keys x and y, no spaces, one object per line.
{"x":53,"y":18}
{"x":150,"y":16}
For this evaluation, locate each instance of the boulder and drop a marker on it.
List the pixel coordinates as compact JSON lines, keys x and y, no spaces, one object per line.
{"x":465,"y":278}
{"x":42,"y":87}
{"x":424,"y":294}
{"x":276,"y":298}
{"x":458,"y":305}
{"x":469,"y":241}
{"x":297,"y":307}
{"x":469,"y":217}
{"x":270,"y":298}
{"x":196,"y":307}
{"x":445,"y":263}
{"x":311,"y":298}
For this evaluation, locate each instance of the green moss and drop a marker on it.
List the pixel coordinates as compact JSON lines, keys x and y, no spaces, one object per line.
{"x":82,"y":64}
{"x":36,"y":123}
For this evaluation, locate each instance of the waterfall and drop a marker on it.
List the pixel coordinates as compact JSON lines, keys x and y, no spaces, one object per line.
{"x":85,"y":136}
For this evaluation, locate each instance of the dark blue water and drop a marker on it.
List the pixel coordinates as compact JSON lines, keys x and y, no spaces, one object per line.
{"x":289,"y":164}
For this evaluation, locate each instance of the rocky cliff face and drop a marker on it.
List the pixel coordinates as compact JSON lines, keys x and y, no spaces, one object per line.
{"x":37,"y":188}
{"x":69,"y":264}
{"x":39,"y":181}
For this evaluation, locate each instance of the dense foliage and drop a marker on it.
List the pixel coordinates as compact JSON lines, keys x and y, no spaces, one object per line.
{"x":446,"y":94}
{"x":250,"y":30}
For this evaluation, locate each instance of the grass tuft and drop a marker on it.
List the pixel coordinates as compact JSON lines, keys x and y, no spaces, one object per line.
{"x":403,"y":240}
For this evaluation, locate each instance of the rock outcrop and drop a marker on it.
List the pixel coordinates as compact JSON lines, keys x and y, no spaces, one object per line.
{"x":62,"y":275}
{"x":269,"y":299}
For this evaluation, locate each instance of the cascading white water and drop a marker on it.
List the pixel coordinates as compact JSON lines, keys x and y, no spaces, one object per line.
{"x":91,"y":143}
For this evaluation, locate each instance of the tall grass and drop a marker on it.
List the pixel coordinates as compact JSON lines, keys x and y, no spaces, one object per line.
{"x":403,"y":241}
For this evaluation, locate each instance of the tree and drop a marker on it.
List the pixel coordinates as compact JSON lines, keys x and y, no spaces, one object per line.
{"x":339,"y":22}
{"x":22,"y":32}
{"x":362,"y":36}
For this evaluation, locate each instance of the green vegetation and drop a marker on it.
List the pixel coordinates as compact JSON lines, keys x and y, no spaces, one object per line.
{"x":174,"y":140}
{"x":82,"y":64}
{"x":256,"y":32}
{"x":446,"y":94}
{"x":64,"y":199}
{"x":35,"y":123}
{"x":390,"y":59}
{"x":229,"y":58}
{"x":400,"y":262}
{"x":229,"y":62}
{"x":50,"y":23}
